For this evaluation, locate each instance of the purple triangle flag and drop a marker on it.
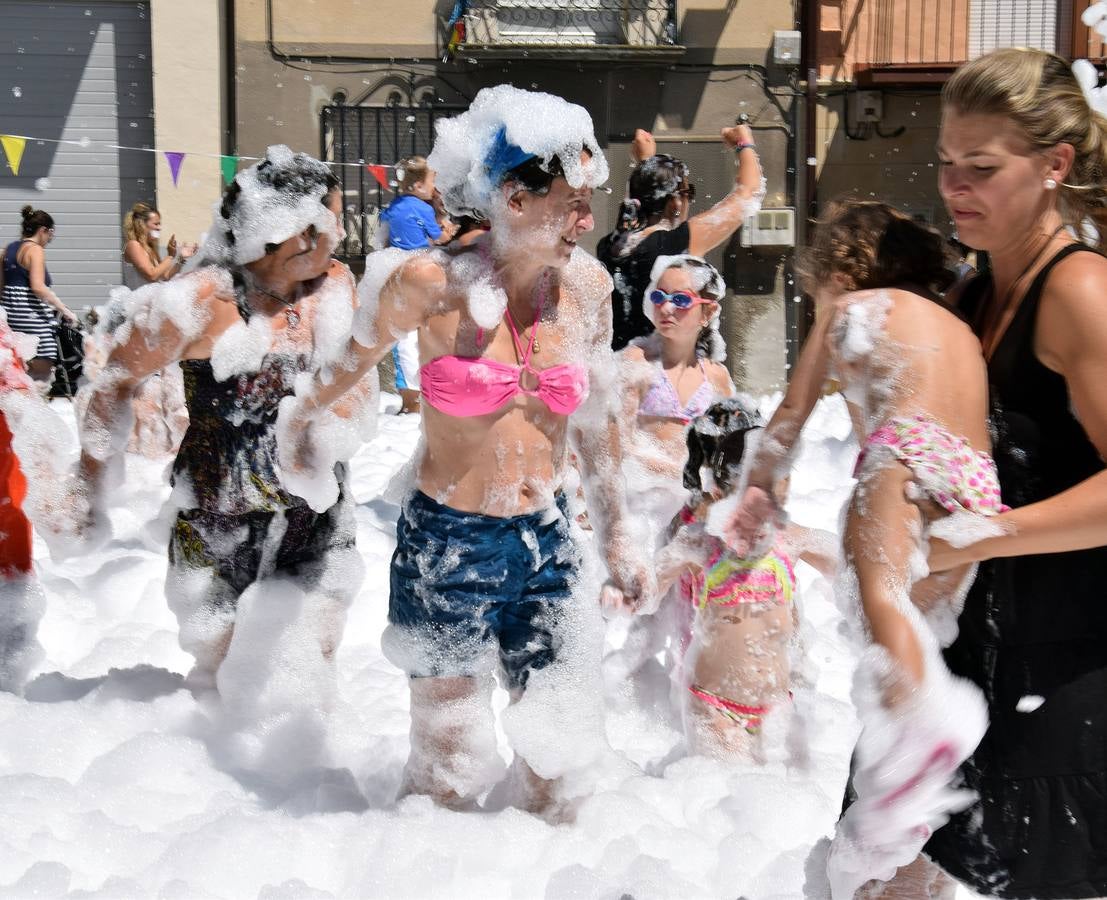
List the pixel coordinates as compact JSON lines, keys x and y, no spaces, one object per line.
{"x":174,"y":159}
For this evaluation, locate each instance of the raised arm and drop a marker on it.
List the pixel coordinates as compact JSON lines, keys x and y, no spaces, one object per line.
{"x":415,"y":286}
{"x":399,"y":292}
{"x":710,"y":228}
{"x":158,"y":331}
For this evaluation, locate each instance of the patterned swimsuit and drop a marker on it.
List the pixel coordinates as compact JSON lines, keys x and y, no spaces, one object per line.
{"x":237,"y":518}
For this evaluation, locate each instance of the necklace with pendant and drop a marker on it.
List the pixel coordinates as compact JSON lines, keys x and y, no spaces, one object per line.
{"x":291,"y":314}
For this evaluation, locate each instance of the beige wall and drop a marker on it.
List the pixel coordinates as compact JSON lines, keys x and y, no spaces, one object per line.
{"x":280,"y":100}
{"x":188,"y":110}
{"x":900,"y":170}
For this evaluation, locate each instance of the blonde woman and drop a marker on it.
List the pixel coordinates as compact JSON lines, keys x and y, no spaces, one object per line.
{"x":1023,"y":168}
{"x":142,"y":261}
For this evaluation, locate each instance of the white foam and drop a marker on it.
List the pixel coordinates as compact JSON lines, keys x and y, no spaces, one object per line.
{"x":265,"y":214}
{"x":125,"y":784}
{"x":540,"y":124}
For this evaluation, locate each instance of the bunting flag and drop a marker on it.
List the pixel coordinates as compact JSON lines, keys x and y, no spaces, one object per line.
{"x":229,"y":165}
{"x":13,"y":150}
{"x":380,"y":173}
{"x":174,"y":159}
{"x":14,"y":145}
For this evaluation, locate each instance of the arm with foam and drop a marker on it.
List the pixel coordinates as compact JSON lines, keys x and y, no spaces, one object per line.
{"x":881,"y":543}
{"x":1072,"y":336}
{"x":684,"y":553}
{"x":399,"y":291}
{"x":712,"y":227}
{"x":597,"y":436}
{"x":772,"y":458}
{"x":163,"y":321}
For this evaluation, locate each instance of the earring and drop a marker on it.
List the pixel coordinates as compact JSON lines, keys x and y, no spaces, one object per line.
{"x":1050,"y":184}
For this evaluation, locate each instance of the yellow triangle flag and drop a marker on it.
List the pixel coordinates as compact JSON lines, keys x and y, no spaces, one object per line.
{"x":13,"y":150}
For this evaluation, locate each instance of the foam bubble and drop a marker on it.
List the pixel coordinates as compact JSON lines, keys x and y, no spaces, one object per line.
{"x":539,"y":124}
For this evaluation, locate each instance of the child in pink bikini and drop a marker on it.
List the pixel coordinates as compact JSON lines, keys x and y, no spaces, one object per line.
{"x":915,"y":381}
{"x":736,"y":667}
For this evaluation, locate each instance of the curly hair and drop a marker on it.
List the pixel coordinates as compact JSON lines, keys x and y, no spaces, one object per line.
{"x":869,"y":244}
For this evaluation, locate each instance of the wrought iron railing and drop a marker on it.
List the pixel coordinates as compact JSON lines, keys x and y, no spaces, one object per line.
{"x":627,"y":25}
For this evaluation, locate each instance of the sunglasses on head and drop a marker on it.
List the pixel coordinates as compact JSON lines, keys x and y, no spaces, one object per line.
{"x":679,"y":299}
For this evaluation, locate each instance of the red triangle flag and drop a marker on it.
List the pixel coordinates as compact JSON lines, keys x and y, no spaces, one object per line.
{"x":380,"y":173}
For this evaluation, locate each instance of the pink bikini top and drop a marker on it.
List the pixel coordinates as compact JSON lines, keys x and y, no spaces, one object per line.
{"x":661,"y":399}
{"x":462,"y":386}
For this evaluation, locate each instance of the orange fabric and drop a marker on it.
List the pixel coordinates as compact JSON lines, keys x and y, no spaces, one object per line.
{"x":15,"y":528}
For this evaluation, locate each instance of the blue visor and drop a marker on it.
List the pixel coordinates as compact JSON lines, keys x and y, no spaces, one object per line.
{"x":503,"y":156}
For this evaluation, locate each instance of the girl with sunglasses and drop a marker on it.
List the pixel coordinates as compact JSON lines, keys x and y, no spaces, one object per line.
{"x":669,"y":378}
{"x":655,"y":220}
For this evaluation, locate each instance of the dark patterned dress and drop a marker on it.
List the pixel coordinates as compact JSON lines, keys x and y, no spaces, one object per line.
{"x":234,"y":516}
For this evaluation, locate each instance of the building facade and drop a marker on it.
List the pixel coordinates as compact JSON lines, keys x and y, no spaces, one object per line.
{"x":880,"y":68}
{"x":362,"y":81}
{"x":95,"y":91}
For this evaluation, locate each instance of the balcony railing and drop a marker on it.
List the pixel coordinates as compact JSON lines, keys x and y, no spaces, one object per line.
{"x":915,"y":41}
{"x":599,"y":28}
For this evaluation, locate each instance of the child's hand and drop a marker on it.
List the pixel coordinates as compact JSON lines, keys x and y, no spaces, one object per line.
{"x":753,"y":521}
{"x":613,"y":602}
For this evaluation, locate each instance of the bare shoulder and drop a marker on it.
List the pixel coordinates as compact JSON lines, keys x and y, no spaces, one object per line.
{"x":1077,"y":286}
{"x":339,"y":276}
{"x":631,"y":355}
{"x":719,"y":378}
{"x":587,"y":276}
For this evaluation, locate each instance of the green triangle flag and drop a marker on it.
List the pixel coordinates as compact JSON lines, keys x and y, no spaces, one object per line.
{"x":228,"y":164}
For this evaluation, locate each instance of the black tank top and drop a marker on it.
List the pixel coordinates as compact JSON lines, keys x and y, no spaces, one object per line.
{"x":1034,"y":627}
{"x":1040,"y":447}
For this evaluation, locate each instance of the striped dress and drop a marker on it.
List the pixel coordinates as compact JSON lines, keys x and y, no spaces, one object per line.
{"x":26,"y":313}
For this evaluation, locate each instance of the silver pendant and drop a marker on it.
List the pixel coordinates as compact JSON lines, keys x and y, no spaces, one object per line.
{"x":292,"y":316}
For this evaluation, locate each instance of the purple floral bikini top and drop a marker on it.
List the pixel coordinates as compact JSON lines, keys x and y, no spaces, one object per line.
{"x":661,"y":399}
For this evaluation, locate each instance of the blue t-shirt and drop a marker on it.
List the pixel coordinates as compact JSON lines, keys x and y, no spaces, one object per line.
{"x":411,"y":223}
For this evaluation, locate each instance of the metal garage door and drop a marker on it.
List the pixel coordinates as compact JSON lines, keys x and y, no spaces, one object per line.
{"x":80,"y":72}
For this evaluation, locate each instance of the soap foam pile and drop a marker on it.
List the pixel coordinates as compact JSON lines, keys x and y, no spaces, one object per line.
{"x":116,"y":782}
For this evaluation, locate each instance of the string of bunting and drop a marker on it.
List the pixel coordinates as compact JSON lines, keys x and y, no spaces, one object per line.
{"x":14,"y":145}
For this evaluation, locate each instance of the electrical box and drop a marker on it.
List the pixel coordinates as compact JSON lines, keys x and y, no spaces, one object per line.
{"x":770,"y":228}
{"x":870,"y":106}
{"x":786,"y":48}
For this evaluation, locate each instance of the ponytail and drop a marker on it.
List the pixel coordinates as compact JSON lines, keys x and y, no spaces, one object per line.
{"x":1084,"y":191}
{"x":34,"y":219}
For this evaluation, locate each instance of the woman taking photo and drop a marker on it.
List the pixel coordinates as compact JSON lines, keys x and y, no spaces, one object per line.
{"x":31,"y":305}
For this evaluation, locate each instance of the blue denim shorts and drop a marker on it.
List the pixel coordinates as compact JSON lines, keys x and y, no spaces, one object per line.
{"x":464,"y":585}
